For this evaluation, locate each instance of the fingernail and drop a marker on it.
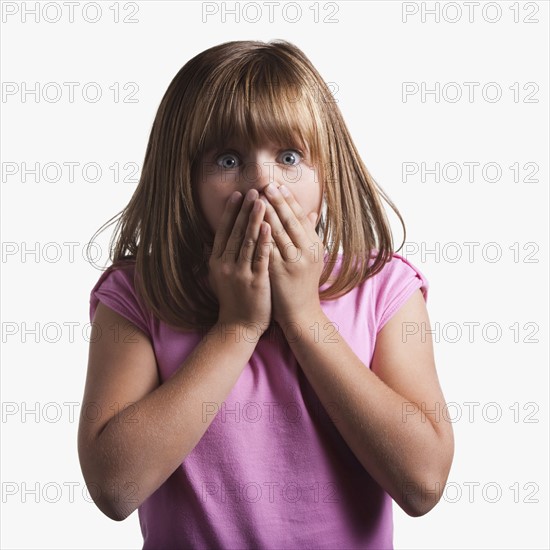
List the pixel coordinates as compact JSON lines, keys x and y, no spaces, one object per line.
{"x":270,"y":190}
{"x":235,"y":197}
{"x":284,"y":191}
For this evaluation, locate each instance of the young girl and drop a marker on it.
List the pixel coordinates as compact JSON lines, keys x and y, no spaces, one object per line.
{"x":259,"y":374}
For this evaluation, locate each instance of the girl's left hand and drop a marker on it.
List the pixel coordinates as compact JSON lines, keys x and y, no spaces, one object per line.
{"x":297,"y":258}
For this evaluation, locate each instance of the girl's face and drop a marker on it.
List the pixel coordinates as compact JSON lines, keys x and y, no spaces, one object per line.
{"x":235,"y":167}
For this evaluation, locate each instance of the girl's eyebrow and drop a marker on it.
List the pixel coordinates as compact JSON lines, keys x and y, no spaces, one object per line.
{"x":236,"y":147}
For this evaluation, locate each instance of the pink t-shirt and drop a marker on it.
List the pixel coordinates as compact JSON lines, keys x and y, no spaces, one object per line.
{"x":272,"y":470}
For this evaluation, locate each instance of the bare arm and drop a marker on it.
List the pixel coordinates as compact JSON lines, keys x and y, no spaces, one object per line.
{"x":145,"y":430}
{"x":389,"y":415}
{"x":392,"y":416}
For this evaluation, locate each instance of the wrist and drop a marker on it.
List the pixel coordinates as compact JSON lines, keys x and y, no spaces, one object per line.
{"x":301,"y":320}
{"x":239,"y":331}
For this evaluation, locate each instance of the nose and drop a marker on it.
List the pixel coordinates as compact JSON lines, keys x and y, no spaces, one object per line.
{"x":258,"y":174}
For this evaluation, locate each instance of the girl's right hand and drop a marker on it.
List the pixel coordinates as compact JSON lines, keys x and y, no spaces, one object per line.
{"x":238,"y":266}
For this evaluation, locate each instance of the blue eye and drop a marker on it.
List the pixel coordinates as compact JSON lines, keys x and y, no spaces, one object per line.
{"x":226,"y":159}
{"x":291,"y":157}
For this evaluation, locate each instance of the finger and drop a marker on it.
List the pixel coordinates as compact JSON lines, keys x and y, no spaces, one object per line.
{"x":290,"y":227}
{"x":234,"y":243}
{"x":264,"y":249}
{"x":291,"y":215}
{"x":276,"y":254}
{"x":226,"y":223}
{"x":298,"y":211}
{"x":313,"y":217}
{"x":247,"y":252}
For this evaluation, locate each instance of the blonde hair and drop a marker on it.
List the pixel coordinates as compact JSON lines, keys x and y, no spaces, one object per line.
{"x":247,"y":90}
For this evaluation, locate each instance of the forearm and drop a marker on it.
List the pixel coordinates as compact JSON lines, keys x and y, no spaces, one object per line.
{"x":142,"y":446}
{"x":392,"y":438}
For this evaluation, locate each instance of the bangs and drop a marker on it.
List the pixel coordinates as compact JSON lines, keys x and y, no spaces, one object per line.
{"x":259,"y":104}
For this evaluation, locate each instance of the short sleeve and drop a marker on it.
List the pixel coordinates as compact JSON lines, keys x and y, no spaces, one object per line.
{"x":395,"y":284}
{"x":115,"y":288}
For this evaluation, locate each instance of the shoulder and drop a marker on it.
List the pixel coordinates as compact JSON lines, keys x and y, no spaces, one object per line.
{"x":115,"y":288}
{"x":399,"y":271}
{"x":393,"y":285}
{"x":381,"y":294}
{"x":116,"y":275}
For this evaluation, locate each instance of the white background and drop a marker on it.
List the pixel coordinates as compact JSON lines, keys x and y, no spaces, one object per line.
{"x":367,"y":52}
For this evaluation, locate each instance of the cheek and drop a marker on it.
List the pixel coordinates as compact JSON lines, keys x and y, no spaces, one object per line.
{"x":213,"y":206}
{"x":308,"y":193}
